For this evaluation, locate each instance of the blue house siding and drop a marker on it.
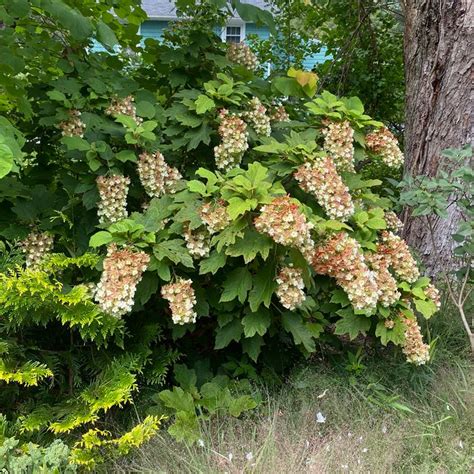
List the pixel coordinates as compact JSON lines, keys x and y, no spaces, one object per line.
{"x":153,"y":29}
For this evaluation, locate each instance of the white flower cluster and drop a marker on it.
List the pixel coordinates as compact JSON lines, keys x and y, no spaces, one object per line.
{"x":415,"y":350}
{"x":384,"y":143}
{"x":240,"y":53}
{"x":389,"y":323}
{"x":125,"y":106}
{"x":74,"y":127}
{"x":284,"y":222}
{"x":234,"y":135}
{"x":257,"y":116}
{"x":338,"y":142}
{"x":215,"y":216}
{"x":35,"y":247}
{"x":433,"y":294}
{"x":290,"y":287}
{"x":399,"y":257}
{"x":341,"y":257}
{"x":113,"y":192}
{"x":279,"y":114}
{"x":320,"y":178}
{"x":181,"y":298}
{"x":197,"y":242}
{"x":393,"y":222}
{"x":387,"y":285}
{"x":123,"y":270}
{"x":156,"y":176}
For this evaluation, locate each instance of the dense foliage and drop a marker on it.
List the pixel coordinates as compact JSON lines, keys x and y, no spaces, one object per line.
{"x":173,"y":204}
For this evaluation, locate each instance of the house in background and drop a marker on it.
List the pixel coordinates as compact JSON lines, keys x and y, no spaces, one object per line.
{"x":162,"y":12}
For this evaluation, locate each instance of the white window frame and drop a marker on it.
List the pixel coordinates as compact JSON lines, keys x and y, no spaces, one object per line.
{"x":234,"y":23}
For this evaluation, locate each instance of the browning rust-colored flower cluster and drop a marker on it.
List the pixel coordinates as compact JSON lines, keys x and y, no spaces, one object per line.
{"x":123,"y":270}
{"x":215,"y":216}
{"x":415,"y":350}
{"x":233,"y":133}
{"x":341,"y":257}
{"x":240,"y":53}
{"x":284,"y":222}
{"x":156,"y":176}
{"x":74,"y":127}
{"x":384,"y":143}
{"x":290,"y":287}
{"x":338,"y":142}
{"x":278,"y":113}
{"x":113,"y":192}
{"x":35,"y":247}
{"x":258,"y":118}
{"x":399,"y":257}
{"x":181,"y":298}
{"x":125,"y":106}
{"x":433,"y":294}
{"x":321,"y":179}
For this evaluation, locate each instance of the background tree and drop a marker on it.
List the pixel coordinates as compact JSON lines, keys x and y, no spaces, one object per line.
{"x":439,"y":47}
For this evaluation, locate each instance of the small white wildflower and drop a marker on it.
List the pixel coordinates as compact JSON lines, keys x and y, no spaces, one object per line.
{"x":321,"y":395}
{"x":384,"y":429}
{"x":320,"y":418}
{"x":364,"y":450}
{"x":200,"y":443}
{"x":461,"y":444}
{"x":230,"y":456}
{"x":249,"y":456}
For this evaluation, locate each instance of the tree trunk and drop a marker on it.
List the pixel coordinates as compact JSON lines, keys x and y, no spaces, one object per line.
{"x":439,"y":52}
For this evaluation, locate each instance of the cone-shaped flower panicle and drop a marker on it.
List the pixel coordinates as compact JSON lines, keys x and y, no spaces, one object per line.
{"x":181,"y":299}
{"x":123,"y":270}
{"x":341,"y":257}
{"x":284,"y":222}
{"x":233,"y":133}
{"x":36,"y":246}
{"x":125,"y":106}
{"x":338,"y":142}
{"x":393,"y":222}
{"x":215,"y":216}
{"x":433,"y":294}
{"x":241,"y":54}
{"x":197,"y":242}
{"x":290,"y":287}
{"x":415,"y":350}
{"x":387,"y":285}
{"x":74,"y":127}
{"x":383,"y":143}
{"x":321,"y":179}
{"x":258,"y":118}
{"x":113,"y":192}
{"x":279,"y":114}
{"x":399,"y":257}
{"x":156,"y":176}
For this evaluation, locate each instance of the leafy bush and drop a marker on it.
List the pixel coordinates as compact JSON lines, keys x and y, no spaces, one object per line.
{"x":178,"y":207}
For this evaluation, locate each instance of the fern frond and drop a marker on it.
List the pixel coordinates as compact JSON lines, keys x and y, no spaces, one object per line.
{"x":29,"y":374}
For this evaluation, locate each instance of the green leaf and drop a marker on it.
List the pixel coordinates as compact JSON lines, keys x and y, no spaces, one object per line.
{"x":76,"y":143}
{"x":376,"y":223}
{"x":256,"y":323}
{"x":228,"y":333}
{"x":426,"y":308}
{"x":238,"y":206}
{"x":100,"y":238}
{"x":185,"y":427}
{"x":185,"y":377}
{"x":237,"y":285}
{"x":214,"y":262}
{"x":175,"y":250}
{"x":264,"y":285}
{"x":177,"y":399}
{"x":395,"y":335}
{"x":250,"y":245}
{"x":351,"y":324}
{"x":105,"y":35}
{"x":126,"y":155}
{"x":340,"y":296}
{"x":146,"y":109}
{"x":203,"y":104}
{"x":253,"y":346}
{"x":6,"y":160}
{"x":241,"y":404}
{"x":293,"y":323}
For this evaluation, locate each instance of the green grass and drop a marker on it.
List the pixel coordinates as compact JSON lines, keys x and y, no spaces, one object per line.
{"x":391,"y":417}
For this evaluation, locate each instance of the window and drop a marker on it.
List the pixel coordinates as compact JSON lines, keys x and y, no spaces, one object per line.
{"x":233,"y":34}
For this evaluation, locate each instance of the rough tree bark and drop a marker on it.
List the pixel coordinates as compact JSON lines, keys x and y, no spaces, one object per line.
{"x":439,"y":64}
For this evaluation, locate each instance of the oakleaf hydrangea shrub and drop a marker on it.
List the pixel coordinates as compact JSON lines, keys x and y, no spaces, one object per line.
{"x":184,"y":208}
